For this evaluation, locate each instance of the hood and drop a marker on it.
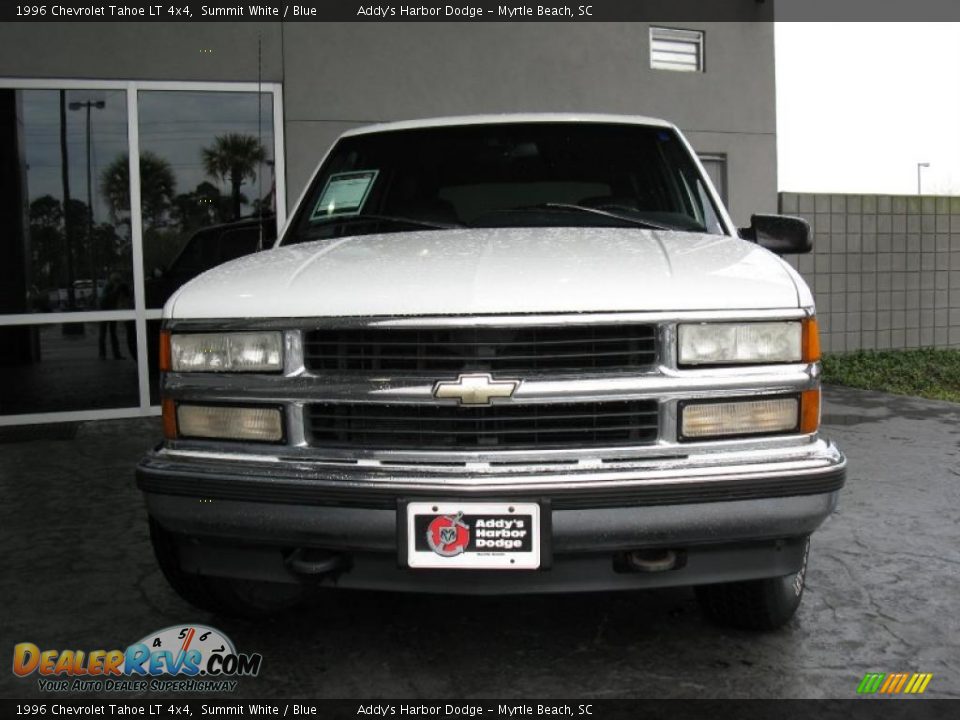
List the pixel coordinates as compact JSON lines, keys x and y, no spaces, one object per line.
{"x":493,"y":271}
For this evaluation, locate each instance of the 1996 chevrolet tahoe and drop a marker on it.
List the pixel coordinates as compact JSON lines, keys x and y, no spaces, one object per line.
{"x":497,"y":354}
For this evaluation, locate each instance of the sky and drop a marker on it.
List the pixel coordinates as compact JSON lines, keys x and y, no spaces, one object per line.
{"x":860,"y":104}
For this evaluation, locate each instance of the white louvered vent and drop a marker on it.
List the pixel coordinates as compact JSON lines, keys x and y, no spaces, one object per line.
{"x":672,"y":49}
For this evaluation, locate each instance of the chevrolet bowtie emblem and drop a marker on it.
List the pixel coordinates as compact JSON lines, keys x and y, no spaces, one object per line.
{"x":475,"y":389}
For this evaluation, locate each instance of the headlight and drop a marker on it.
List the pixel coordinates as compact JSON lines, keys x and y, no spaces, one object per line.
{"x":747,"y":417}
{"x":226,"y":352}
{"x":740,"y":343}
{"x":229,"y":423}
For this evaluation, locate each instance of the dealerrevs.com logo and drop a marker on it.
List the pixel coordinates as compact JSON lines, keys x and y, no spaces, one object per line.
{"x":180,"y":658}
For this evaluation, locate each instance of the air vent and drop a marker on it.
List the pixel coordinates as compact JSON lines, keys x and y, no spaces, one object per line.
{"x":680,"y":50}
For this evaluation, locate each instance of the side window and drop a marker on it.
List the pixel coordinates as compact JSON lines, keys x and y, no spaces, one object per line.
{"x":710,"y":219}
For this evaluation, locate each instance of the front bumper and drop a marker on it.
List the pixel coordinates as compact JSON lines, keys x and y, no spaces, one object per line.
{"x":734,"y":518}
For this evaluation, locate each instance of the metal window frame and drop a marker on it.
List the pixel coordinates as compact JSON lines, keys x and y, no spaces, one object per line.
{"x":698,"y":37}
{"x":140,"y":313}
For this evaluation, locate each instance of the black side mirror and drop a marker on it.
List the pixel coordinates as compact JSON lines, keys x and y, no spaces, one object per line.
{"x":781,"y":234}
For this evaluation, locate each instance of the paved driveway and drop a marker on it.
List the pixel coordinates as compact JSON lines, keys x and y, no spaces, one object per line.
{"x":883,"y":589}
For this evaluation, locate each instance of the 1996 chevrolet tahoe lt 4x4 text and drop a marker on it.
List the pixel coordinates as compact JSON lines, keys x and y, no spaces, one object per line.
{"x":497,"y":354}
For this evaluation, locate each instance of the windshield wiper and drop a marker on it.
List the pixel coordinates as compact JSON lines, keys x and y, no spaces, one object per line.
{"x":605,"y":213}
{"x":369,"y":217}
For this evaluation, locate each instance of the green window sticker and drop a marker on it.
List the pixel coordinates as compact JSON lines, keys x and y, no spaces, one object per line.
{"x":344,"y":194}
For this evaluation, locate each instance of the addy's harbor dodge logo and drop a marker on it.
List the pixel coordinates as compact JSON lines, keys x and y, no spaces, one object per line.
{"x":448,"y":535}
{"x":894,"y":683}
{"x":191,"y":658}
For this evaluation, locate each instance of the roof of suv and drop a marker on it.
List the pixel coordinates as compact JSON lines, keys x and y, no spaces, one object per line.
{"x":508,"y":118}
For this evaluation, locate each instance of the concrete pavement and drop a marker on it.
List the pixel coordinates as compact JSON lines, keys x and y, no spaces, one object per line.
{"x":883,"y":590}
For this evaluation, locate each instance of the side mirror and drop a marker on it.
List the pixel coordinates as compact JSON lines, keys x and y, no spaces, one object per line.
{"x":781,"y":234}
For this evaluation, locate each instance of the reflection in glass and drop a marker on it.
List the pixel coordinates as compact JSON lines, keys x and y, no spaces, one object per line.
{"x":207,"y":182}
{"x":207,"y":195}
{"x":207,"y":188}
{"x":117,"y":289}
{"x":54,"y":368}
{"x":65,"y":232}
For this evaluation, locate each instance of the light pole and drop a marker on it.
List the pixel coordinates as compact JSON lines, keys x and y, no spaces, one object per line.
{"x":65,"y":180}
{"x":99,"y":105}
{"x":920,"y":166}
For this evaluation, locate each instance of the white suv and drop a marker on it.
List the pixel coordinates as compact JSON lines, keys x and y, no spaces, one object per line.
{"x":498,"y":354}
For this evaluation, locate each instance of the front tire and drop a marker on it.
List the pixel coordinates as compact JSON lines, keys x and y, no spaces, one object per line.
{"x":228,"y":597}
{"x":765,"y":604}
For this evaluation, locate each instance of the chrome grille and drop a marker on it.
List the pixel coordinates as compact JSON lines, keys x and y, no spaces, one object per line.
{"x":519,"y":349}
{"x":396,"y":426}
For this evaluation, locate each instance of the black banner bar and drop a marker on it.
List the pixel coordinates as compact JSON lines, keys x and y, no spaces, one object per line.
{"x":481,"y":11}
{"x":390,"y":11}
{"x":583,"y":709}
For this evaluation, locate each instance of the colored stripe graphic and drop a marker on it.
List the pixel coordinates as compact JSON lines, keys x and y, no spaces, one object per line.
{"x":901,"y":682}
{"x":870,"y":683}
{"x":894,"y":683}
{"x":918,"y":683}
{"x":889,"y":683}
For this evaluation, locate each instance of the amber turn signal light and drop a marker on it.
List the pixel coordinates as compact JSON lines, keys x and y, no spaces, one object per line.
{"x":164,"y":350}
{"x":810,"y":411}
{"x":811,"y":341}
{"x":169,"y":411}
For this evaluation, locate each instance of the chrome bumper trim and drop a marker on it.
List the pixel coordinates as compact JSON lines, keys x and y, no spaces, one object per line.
{"x":820,"y":459}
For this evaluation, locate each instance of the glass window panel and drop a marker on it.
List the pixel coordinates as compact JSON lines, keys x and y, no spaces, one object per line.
{"x":59,"y":367}
{"x":207,"y":182}
{"x":64,"y":212}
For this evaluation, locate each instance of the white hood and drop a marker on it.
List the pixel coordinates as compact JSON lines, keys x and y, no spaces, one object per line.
{"x":493,"y":271}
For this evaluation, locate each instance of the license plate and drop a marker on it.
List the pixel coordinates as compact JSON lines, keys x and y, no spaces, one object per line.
{"x":473,"y":535}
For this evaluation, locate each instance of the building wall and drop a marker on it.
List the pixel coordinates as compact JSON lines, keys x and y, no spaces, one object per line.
{"x":334,"y":77}
{"x":337,"y":76}
{"x":885,"y":270}
{"x":451,"y":69}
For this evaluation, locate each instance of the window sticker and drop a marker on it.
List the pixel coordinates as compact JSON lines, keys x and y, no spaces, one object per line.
{"x":344,"y":194}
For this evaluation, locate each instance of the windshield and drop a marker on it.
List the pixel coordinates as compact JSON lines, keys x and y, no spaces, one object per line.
{"x":506,"y":175}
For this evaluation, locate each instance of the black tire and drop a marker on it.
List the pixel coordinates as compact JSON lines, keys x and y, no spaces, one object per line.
{"x":228,"y":597}
{"x":755,"y":604}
